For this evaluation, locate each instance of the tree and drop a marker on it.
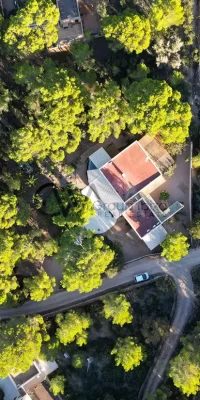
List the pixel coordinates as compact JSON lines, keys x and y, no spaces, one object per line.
{"x":196,"y":161}
{"x":20,"y":343}
{"x":39,"y":287}
{"x":127,"y":353}
{"x":166,"y":13}
{"x":85,"y":258}
{"x":57,"y":384}
{"x":107,"y":113}
{"x":117,"y":308}
{"x":164,"y":195}
{"x":128,"y":30}
{"x":73,"y":209}
{"x":185,"y":367}
{"x":14,"y":247}
{"x":156,"y":108}
{"x":162,"y":393}
{"x":167,"y":48}
{"x":5,"y":98}
{"x":78,"y":360}
{"x":8,"y":210}
{"x":34,"y":27}
{"x":7,"y":286}
{"x":72,"y":326}
{"x":174,"y":247}
{"x":82,"y":55}
{"x":176,"y":78}
{"x":194,"y":228}
{"x":56,"y":106}
{"x":23,"y":214}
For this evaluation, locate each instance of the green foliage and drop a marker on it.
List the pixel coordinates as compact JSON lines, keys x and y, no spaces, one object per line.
{"x":57,"y":384}
{"x":23,"y":214}
{"x":140,"y":73}
{"x":33,"y":27}
{"x":166,"y":13}
{"x":5,"y":98}
{"x":8,"y":210}
{"x":185,"y":367}
{"x":50,"y":349}
{"x":176,"y":78}
{"x":194,"y":228}
{"x":7,"y":286}
{"x":39,"y":287}
{"x":20,"y":343}
{"x":156,"y":108}
{"x":117,"y":308}
{"x":175,"y":148}
{"x":128,"y":30}
{"x":163,"y":393}
{"x":78,"y":208}
{"x":175,"y":247}
{"x":72,"y":326}
{"x":78,"y":360}
{"x":55,"y":102}
{"x":82,"y":55}
{"x":164,"y":195}
{"x":14,"y":247}
{"x":127,"y":353}
{"x":196,"y":161}
{"x":85,"y":258}
{"x":102,"y":8}
{"x":107,"y":114}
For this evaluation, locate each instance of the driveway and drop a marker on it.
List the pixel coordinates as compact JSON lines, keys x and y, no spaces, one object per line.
{"x":178,"y":188}
{"x":180,"y":272}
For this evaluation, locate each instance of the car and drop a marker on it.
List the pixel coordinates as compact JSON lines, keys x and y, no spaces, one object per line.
{"x":141,"y":278}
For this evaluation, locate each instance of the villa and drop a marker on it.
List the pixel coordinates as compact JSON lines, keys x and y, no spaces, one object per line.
{"x":122,"y":186}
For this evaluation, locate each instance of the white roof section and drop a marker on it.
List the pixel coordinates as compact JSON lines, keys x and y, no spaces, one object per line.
{"x":108,"y":195}
{"x":103,"y":220}
{"x":100,"y":157}
{"x":92,"y":174}
{"x":155,"y":237}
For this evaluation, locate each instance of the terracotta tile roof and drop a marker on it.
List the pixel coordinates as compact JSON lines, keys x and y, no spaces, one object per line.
{"x":130,"y":171}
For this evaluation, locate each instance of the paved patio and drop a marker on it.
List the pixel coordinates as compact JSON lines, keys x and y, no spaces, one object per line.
{"x":178,"y":188}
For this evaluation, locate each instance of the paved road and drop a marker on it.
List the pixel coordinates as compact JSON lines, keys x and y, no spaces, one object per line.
{"x":180,"y":273}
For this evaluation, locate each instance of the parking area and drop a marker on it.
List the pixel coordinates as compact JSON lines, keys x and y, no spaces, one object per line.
{"x":178,"y":188}
{"x":132,"y":246}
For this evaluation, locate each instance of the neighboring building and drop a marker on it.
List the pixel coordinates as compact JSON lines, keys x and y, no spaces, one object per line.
{"x":70,"y":25}
{"x":27,"y":385}
{"x":123,"y":186}
{"x":75,"y":17}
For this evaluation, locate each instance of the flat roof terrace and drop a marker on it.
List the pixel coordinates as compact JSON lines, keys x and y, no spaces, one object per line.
{"x":141,"y":218}
{"x":130,"y":171}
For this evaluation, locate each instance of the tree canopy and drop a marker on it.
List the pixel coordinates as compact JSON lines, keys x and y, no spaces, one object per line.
{"x":129,"y":30}
{"x":39,"y":287}
{"x":175,"y":246}
{"x":85,"y":258}
{"x":185,"y":367}
{"x":20,"y":343}
{"x":73,"y":209}
{"x":57,"y":384}
{"x":8,"y":210}
{"x":55,"y":103}
{"x":117,"y":308}
{"x":196,"y":161}
{"x":33,"y":27}
{"x":108,"y":112}
{"x":127,"y":353}
{"x":166,"y":13}
{"x":194,"y":228}
{"x":156,"y":108}
{"x":72,"y":326}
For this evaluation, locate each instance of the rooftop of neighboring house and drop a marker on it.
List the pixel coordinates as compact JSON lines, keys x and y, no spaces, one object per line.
{"x":68,"y":9}
{"x":130,"y":171}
